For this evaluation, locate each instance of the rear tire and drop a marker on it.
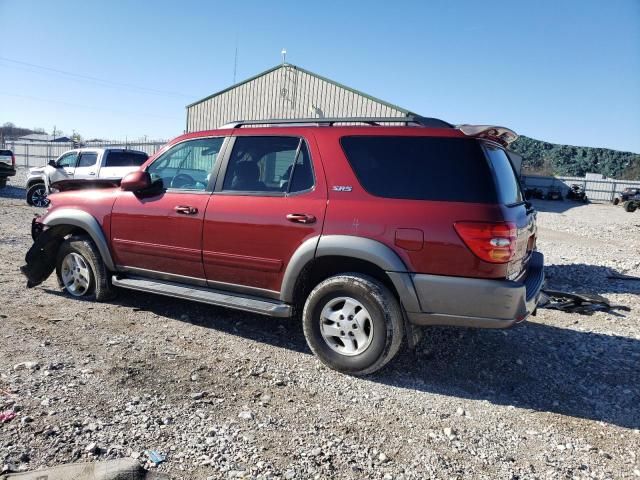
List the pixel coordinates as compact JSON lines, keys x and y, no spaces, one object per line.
{"x":353,"y":323}
{"x":629,"y":206}
{"x":81,"y":271}
{"x":3,"y":182}
{"x":37,"y":195}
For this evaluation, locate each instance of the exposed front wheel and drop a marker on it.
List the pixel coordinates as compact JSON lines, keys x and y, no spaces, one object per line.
{"x":81,"y":271}
{"x":37,"y":195}
{"x":353,"y":323}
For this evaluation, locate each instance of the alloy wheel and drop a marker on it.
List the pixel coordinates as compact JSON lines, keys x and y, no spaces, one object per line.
{"x":346,"y":326}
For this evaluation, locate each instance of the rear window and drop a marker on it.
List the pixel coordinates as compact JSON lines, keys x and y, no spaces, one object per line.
{"x":508,"y":186}
{"x":421,"y":168}
{"x":125,"y":159}
{"x":6,"y":152}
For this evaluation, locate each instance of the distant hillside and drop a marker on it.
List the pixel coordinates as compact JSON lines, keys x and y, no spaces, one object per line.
{"x":545,"y":158}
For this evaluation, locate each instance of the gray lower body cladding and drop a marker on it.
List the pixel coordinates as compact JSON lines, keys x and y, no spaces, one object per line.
{"x":471,"y":302}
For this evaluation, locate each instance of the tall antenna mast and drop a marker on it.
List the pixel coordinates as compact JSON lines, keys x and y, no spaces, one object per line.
{"x":235,"y":62}
{"x":284,"y":56}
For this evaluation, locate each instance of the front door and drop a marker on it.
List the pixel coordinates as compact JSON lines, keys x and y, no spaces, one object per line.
{"x":64,"y":169}
{"x":267,"y":202}
{"x":161,"y":235}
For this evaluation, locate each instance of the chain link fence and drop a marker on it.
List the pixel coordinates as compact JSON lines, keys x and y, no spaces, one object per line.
{"x":38,"y":154}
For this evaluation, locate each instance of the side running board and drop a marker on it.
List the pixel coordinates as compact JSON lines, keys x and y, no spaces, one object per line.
{"x":272,"y":308}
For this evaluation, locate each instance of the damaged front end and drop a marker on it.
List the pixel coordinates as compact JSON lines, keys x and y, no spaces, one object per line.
{"x":41,"y":257}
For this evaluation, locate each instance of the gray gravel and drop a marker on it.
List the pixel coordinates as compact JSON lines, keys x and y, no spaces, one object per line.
{"x":224,"y":394}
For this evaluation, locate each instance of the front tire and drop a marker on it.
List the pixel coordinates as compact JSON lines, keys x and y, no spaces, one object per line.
{"x":629,"y":206}
{"x":353,"y":323}
{"x":37,"y":195}
{"x":81,"y":271}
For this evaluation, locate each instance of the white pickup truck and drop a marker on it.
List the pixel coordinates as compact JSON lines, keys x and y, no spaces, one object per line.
{"x":87,"y":164}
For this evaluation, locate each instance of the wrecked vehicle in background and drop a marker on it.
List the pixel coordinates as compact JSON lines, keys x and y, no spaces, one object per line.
{"x":577,"y":192}
{"x":81,"y":165}
{"x":632,"y":203}
{"x":625,"y":195}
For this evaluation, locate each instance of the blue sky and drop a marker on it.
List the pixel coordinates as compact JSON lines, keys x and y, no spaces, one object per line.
{"x":562,"y":71}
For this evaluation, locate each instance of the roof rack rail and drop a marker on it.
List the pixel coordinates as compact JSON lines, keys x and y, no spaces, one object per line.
{"x":375,"y":121}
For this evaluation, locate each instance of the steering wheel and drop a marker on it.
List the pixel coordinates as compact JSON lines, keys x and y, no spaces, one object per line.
{"x":182,"y":180}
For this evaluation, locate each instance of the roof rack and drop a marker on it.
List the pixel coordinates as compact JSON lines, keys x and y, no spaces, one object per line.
{"x":375,"y":121}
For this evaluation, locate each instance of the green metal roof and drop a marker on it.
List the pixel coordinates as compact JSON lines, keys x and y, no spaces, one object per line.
{"x":340,"y":85}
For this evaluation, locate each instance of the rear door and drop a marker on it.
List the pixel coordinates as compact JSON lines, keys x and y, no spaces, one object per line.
{"x":87,"y":166}
{"x":270,"y":197}
{"x":117,"y":163}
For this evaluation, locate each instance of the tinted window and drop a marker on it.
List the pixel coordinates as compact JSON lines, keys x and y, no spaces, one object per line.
{"x":187,"y":165}
{"x":421,"y":168}
{"x":508,"y":187}
{"x":125,"y":159}
{"x":87,"y":159}
{"x":68,"y":160}
{"x":269,"y":164}
{"x":6,"y":152}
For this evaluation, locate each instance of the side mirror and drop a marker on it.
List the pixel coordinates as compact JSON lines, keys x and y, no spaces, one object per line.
{"x":136,"y":181}
{"x":52,"y":163}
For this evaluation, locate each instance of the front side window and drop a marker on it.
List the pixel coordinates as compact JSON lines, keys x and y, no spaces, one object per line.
{"x":88,"y":159}
{"x":68,"y":160}
{"x":271,"y":165}
{"x":187,"y":165}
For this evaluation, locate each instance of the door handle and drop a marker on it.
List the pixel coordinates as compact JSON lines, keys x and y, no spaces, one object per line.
{"x":186,"y":210}
{"x":92,"y":173}
{"x":301,"y":218}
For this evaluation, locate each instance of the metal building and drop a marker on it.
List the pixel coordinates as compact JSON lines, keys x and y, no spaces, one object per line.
{"x":286,"y":91}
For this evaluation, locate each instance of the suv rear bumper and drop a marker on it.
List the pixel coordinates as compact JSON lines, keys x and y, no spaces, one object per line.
{"x":471,"y":302}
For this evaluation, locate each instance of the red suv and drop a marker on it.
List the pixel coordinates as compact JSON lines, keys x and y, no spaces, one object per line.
{"x":363,"y":228}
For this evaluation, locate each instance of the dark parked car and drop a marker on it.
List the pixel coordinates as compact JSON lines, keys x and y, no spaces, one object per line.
{"x":363,"y":231}
{"x":7,"y":166}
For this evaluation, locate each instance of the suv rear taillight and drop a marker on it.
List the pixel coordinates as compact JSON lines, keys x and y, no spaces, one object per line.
{"x":491,"y":242}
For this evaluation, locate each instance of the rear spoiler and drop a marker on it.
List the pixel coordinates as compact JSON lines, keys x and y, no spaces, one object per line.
{"x":502,"y":135}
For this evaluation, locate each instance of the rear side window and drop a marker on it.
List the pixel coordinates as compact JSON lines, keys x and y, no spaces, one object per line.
{"x":125,"y":159}
{"x":421,"y":168}
{"x":277,"y":165}
{"x":87,"y":159}
{"x":506,"y":180}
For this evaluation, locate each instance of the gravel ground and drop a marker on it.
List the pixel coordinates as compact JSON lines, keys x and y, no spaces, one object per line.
{"x":230,"y":395}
